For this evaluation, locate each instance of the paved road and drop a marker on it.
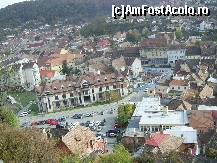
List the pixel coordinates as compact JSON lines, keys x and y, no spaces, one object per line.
{"x":110,"y":118}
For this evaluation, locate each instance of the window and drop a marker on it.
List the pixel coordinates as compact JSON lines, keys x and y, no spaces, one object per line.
{"x":92,"y":90}
{"x":58,"y":104}
{"x":122,"y":86}
{"x":71,"y":95}
{"x":107,"y":87}
{"x":56,"y":98}
{"x":178,"y":87}
{"x":114,"y":87}
{"x":65,"y":102}
{"x":64,"y":95}
{"x":100,"y":89}
{"x":172,"y":87}
{"x":185,"y":87}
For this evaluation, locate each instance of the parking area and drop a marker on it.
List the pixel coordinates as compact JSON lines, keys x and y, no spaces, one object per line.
{"x":100,"y":120}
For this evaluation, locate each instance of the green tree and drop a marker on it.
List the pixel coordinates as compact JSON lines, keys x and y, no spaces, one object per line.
{"x":114,"y":96}
{"x":133,"y":36}
{"x":26,"y":145}
{"x":125,"y":112}
{"x":65,"y":68}
{"x":119,"y":155}
{"x":8,"y":116}
{"x":145,"y":159}
{"x":211,"y":152}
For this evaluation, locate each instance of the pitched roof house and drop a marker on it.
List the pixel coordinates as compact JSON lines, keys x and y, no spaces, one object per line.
{"x":207,"y":92}
{"x":164,"y":143}
{"x":202,"y":120}
{"x":82,"y":140}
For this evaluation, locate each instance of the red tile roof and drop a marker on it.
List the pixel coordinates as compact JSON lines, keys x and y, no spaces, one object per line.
{"x":156,"y":139}
{"x":47,"y":73}
{"x":154,"y":42}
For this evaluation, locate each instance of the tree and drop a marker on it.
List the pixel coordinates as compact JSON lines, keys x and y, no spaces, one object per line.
{"x":65,"y":68}
{"x":179,"y":33}
{"x":114,"y":96}
{"x":8,"y":116}
{"x":125,"y":112}
{"x":26,"y":145}
{"x":119,"y":154}
{"x":133,"y":36}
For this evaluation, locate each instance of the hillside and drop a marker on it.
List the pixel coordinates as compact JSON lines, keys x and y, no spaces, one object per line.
{"x":51,"y":11}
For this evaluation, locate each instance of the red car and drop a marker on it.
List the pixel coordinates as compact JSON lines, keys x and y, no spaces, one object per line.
{"x":117,"y":125}
{"x":52,"y":122}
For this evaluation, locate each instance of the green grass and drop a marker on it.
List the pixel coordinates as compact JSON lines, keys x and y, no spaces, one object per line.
{"x":24,"y":97}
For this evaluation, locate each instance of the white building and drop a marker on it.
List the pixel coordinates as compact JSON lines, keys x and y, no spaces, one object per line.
{"x":151,"y":116}
{"x":175,"y":53}
{"x":157,"y":121}
{"x":21,"y":73}
{"x":136,"y":67}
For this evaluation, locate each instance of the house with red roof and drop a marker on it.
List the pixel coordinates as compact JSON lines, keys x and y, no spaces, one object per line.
{"x":47,"y":74}
{"x":163,"y":143}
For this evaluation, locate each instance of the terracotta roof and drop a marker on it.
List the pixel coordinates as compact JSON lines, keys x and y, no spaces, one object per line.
{"x":74,"y":83}
{"x":201,"y":119}
{"x":78,"y":139}
{"x":154,"y":42}
{"x":156,"y":139}
{"x":47,"y":73}
{"x":165,"y":142}
{"x":179,"y":82}
{"x":119,"y":63}
{"x":58,"y":59}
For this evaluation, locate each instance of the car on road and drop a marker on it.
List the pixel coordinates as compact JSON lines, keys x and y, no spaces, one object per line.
{"x":87,"y":123}
{"x":24,"y":125}
{"x":99,"y":128}
{"x":77,"y":116}
{"x":23,"y":114}
{"x":52,"y":122}
{"x":62,"y":119}
{"x":112,"y":133}
{"x":88,"y":115}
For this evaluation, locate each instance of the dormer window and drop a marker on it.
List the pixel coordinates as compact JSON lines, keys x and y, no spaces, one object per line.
{"x":105,"y":78}
{"x":98,"y":80}
{"x":70,"y":85}
{"x":62,"y":86}
{"x":55,"y":88}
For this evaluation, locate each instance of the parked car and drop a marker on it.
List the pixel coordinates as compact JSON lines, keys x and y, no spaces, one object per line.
{"x":102,"y":123}
{"x":77,"y":116}
{"x":92,"y":128}
{"x":88,"y":115}
{"x":23,"y":114}
{"x":59,"y":126}
{"x":99,"y":128}
{"x":111,"y":133}
{"x":101,"y":113}
{"x":117,"y":125}
{"x":52,"y":122}
{"x":25,"y":124}
{"x":62,"y":119}
{"x":87,"y":123}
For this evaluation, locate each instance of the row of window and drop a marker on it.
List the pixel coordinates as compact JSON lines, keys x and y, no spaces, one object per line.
{"x":179,"y":88}
{"x":153,"y":128}
{"x":86,"y":92}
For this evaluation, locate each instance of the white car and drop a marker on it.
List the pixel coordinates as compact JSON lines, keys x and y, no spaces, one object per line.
{"x":23,"y":114}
